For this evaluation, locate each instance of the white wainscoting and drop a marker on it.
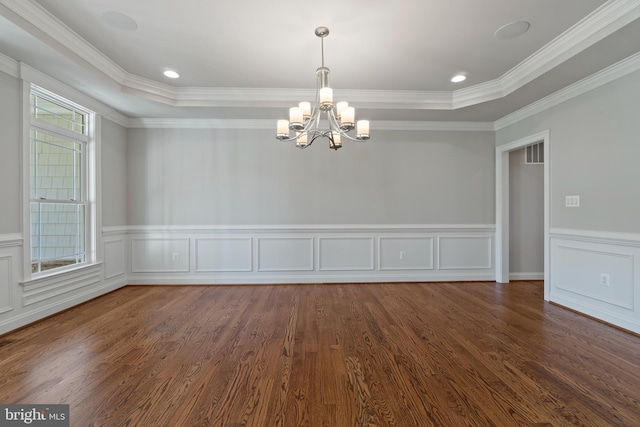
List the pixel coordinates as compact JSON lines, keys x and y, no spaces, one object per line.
{"x":115,"y":260}
{"x":597,"y":274}
{"x":285,"y":253}
{"x":6,"y":284}
{"x":465,"y":252}
{"x":308,"y":253}
{"x":406,"y":253}
{"x":10,"y":254}
{"x":23,"y":301}
{"x":348,"y":253}
{"x":45,"y":288}
{"x":159,"y":255}
{"x":223,"y":254}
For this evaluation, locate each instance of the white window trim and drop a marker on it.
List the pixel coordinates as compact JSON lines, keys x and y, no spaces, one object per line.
{"x":92,"y":178}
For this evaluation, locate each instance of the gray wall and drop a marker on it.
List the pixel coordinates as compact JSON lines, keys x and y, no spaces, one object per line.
{"x":594,"y":147}
{"x":235,"y":177}
{"x":114,"y":174}
{"x":10,"y":141}
{"x":526,"y":215}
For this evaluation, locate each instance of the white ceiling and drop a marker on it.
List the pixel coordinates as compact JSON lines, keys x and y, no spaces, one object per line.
{"x":249,"y":59}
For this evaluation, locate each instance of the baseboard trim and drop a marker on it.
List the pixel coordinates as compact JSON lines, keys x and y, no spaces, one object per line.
{"x":597,"y":313}
{"x":292,"y":279}
{"x":32,"y":316}
{"x":526,"y":276}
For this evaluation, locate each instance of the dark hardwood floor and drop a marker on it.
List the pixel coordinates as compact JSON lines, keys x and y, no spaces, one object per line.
{"x":433,"y":354}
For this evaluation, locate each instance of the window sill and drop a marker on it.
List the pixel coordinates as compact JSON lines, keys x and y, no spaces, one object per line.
{"x":62,"y":273}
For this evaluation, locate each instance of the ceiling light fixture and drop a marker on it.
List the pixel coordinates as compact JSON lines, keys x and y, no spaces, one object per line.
{"x":458,"y":78}
{"x":304,"y":120}
{"x":171,"y":74}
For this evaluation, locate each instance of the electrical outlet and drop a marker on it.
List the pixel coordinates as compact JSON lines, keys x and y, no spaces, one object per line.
{"x":572,"y":201}
{"x":175,"y":257}
{"x":403,"y":254}
{"x":605,"y":279}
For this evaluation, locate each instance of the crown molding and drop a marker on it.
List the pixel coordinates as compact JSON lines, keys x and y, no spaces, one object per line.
{"x":32,"y":75}
{"x":154,"y":123}
{"x":160,"y":123}
{"x":611,"y":16}
{"x":477,"y":94}
{"x":607,"y":75}
{"x":393,"y":125}
{"x":9,"y":65}
{"x":37,"y":21}
{"x":602,"y":22}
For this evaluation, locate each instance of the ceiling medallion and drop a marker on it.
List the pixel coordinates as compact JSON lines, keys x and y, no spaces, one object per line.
{"x":304,"y":120}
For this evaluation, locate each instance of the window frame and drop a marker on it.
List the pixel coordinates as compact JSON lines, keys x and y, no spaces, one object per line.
{"x":88,"y":179}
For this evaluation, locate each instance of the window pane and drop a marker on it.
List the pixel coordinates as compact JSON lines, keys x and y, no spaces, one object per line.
{"x":65,"y":117}
{"x":57,"y":235}
{"x":56,"y":167}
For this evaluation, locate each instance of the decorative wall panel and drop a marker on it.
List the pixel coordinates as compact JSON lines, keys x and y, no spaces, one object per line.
{"x":228,"y":254}
{"x":345,"y":253}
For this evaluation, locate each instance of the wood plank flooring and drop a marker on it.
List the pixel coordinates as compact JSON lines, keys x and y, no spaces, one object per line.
{"x":432,"y":354}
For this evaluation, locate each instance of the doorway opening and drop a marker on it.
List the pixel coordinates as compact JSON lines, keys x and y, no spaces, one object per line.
{"x":502,"y":205}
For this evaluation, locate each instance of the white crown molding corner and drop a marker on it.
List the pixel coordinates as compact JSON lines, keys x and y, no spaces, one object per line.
{"x":472,"y":95}
{"x":607,"y":75}
{"x":39,"y":22}
{"x":115,"y":117}
{"x":9,"y":66}
{"x":602,"y":22}
{"x":56,"y":34}
{"x":611,"y":16}
{"x":32,"y":75}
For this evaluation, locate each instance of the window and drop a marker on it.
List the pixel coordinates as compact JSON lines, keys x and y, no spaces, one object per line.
{"x":59,"y":203}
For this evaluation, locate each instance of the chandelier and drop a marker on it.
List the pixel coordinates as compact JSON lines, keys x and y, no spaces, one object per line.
{"x":303,"y":125}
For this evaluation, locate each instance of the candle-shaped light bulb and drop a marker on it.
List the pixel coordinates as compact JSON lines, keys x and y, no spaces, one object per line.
{"x":295,"y":117}
{"x":348,"y":117}
{"x":326,"y":96}
{"x":337,"y":140}
{"x":362,"y":129}
{"x":340,"y":106}
{"x":282,"y":129}
{"x":306,"y":109}
{"x":301,"y":139}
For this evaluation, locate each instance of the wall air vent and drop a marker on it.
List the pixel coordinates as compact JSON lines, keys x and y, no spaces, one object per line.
{"x":534,"y":154}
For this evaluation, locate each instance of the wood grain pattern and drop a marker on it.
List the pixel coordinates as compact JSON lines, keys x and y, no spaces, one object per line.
{"x":433,"y":354}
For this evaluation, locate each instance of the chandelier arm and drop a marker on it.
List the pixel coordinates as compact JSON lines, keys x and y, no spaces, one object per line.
{"x":333,"y":121}
{"x":291,"y":138}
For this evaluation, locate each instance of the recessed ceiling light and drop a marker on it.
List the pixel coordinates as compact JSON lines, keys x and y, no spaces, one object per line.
{"x":119,"y":20}
{"x":171,"y":74}
{"x":512,"y":30}
{"x":458,"y":78}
